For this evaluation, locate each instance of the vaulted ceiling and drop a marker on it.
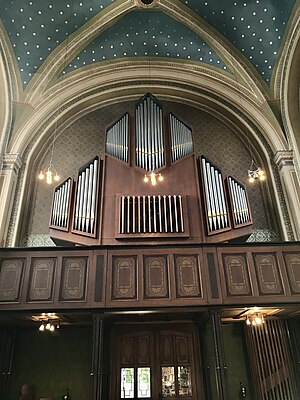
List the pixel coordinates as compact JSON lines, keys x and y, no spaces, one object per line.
{"x":253,"y":30}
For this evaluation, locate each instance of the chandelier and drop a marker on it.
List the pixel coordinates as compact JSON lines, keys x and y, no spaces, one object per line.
{"x":49,"y":322}
{"x":153,"y":177}
{"x":50,"y":174}
{"x":255,"y":319}
{"x":255,"y":172}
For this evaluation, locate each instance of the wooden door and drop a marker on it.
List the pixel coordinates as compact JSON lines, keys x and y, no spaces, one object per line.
{"x":155,"y":362}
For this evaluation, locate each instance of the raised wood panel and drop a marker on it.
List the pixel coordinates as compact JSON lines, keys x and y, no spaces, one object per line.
{"x":42,"y":272}
{"x":166,"y":349}
{"x":268,"y":276}
{"x":143,"y":349}
{"x":187,"y":276}
{"x":182,"y":349}
{"x":73,"y":282}
{"x":124,"y":278}
{"x":127,"y":349}
{"x":11,"y":271}
{"x":236,"y":275}
{"x":292,"y":261}
{"x":156,"y":277}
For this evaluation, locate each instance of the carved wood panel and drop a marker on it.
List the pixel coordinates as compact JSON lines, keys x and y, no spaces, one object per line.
{"x":11,"y":271}
{"x":73,"y":282}
{"x":292,"y":261}
{"x":187,"y":276}
{"x":156,"y":277}
{"x":236,"y":275}
{"x":268,"y":277}
{"x":41,"y":279}
{"x":124,"y":278}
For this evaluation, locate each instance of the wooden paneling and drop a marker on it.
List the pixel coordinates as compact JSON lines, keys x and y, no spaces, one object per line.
{"x":292,"y":261}
{"x":73,"y":282}
{"x":268,"y":277}
{"x":10,"y":279}
{"x":236,"y":275}
{"x":156,"y":277}
{"x":124,"y":278}
{"x":161,"y":276}
{"x":187,"y":276}
{"x":41,"y":279}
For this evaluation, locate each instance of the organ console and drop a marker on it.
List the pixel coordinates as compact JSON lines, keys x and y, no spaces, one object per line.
{"x":110,"y":204}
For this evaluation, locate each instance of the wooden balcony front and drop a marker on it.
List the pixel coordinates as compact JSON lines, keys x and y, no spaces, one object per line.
{"x":138,"y":277}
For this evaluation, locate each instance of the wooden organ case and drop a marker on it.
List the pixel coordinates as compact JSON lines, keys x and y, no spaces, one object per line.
{"x":150,"y":188}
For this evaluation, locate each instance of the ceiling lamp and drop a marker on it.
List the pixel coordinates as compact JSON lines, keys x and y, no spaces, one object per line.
{"x":255,"y":319}
{"x":49,"y":322}
{"x":255,"y":172}
{"x":153,"y":177}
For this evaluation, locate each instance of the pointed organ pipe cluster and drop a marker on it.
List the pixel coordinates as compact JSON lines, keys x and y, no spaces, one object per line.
{"x":61,"y":205}
{"x":214,"y":197}
{"x":117,"y":139}
{"x":149,"y":135}
{"x":86,"y":198}
{"x":181,"y":138}
{"x":151,"y":214}
{"x":239,"y":202}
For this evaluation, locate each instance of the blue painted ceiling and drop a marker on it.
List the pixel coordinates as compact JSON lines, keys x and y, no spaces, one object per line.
{"x":255,"y":27}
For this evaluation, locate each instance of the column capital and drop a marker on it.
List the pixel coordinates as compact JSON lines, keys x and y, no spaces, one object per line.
{"x":12,"y":161}
{"x":284,"y":157}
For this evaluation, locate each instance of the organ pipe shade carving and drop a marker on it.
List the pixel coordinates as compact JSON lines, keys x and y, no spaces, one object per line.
{"x":117,"y":139}
{"x":215,"y":205}
{"x":156,"y":214}
{"x":62,"y":197}
{"x":86,"y":198}
{"x":239,"y":202}
{"x":181,"y":138}
{"x":149,"y":137}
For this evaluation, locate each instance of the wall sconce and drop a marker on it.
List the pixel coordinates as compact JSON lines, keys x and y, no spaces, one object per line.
{"x":153,"y":177}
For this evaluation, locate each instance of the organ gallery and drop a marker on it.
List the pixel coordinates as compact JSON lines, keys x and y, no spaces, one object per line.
{"x":149,"y":200}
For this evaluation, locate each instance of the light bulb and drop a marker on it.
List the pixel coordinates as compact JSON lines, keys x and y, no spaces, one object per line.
{"x":56,"y":177}
{"x":248,"y":322}
{"x":258,"y":320}
{"x":251,"y":179}
{"x":42,"y":327}
{"x":41,"y":176}
{"x":262,"y":177}
{"x":160,"y":178}
{"x":48,"y":326}
{"x":146,"y":179}
{"x":254,"y":322}
{"x":52,"y":328}
{"x":260,"y":172}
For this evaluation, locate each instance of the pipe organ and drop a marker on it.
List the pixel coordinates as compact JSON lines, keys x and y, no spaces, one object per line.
{"x":86,"y":198}
{"x":113,"y":205}
{"x":151,"y":214}
{"x":181,"y":138}
{"x":239,"y":202}
{"x":60,"y":214}
{"x":117,"y":139}
{"x":149,"y":135}
{"x":215,"y":203}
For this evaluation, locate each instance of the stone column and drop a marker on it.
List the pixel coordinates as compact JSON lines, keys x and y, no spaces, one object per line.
{"x":291,"y":188}
{"x":8,"y":179}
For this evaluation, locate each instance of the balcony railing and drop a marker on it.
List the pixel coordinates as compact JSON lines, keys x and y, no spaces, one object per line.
{"x":148,"y":276}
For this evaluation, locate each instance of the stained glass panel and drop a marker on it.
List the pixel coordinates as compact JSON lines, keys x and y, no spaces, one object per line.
{"x":127,"y":383}
{"x":144,"y":382}
{"x":168,"y":381}
{"x":184,"y":381}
